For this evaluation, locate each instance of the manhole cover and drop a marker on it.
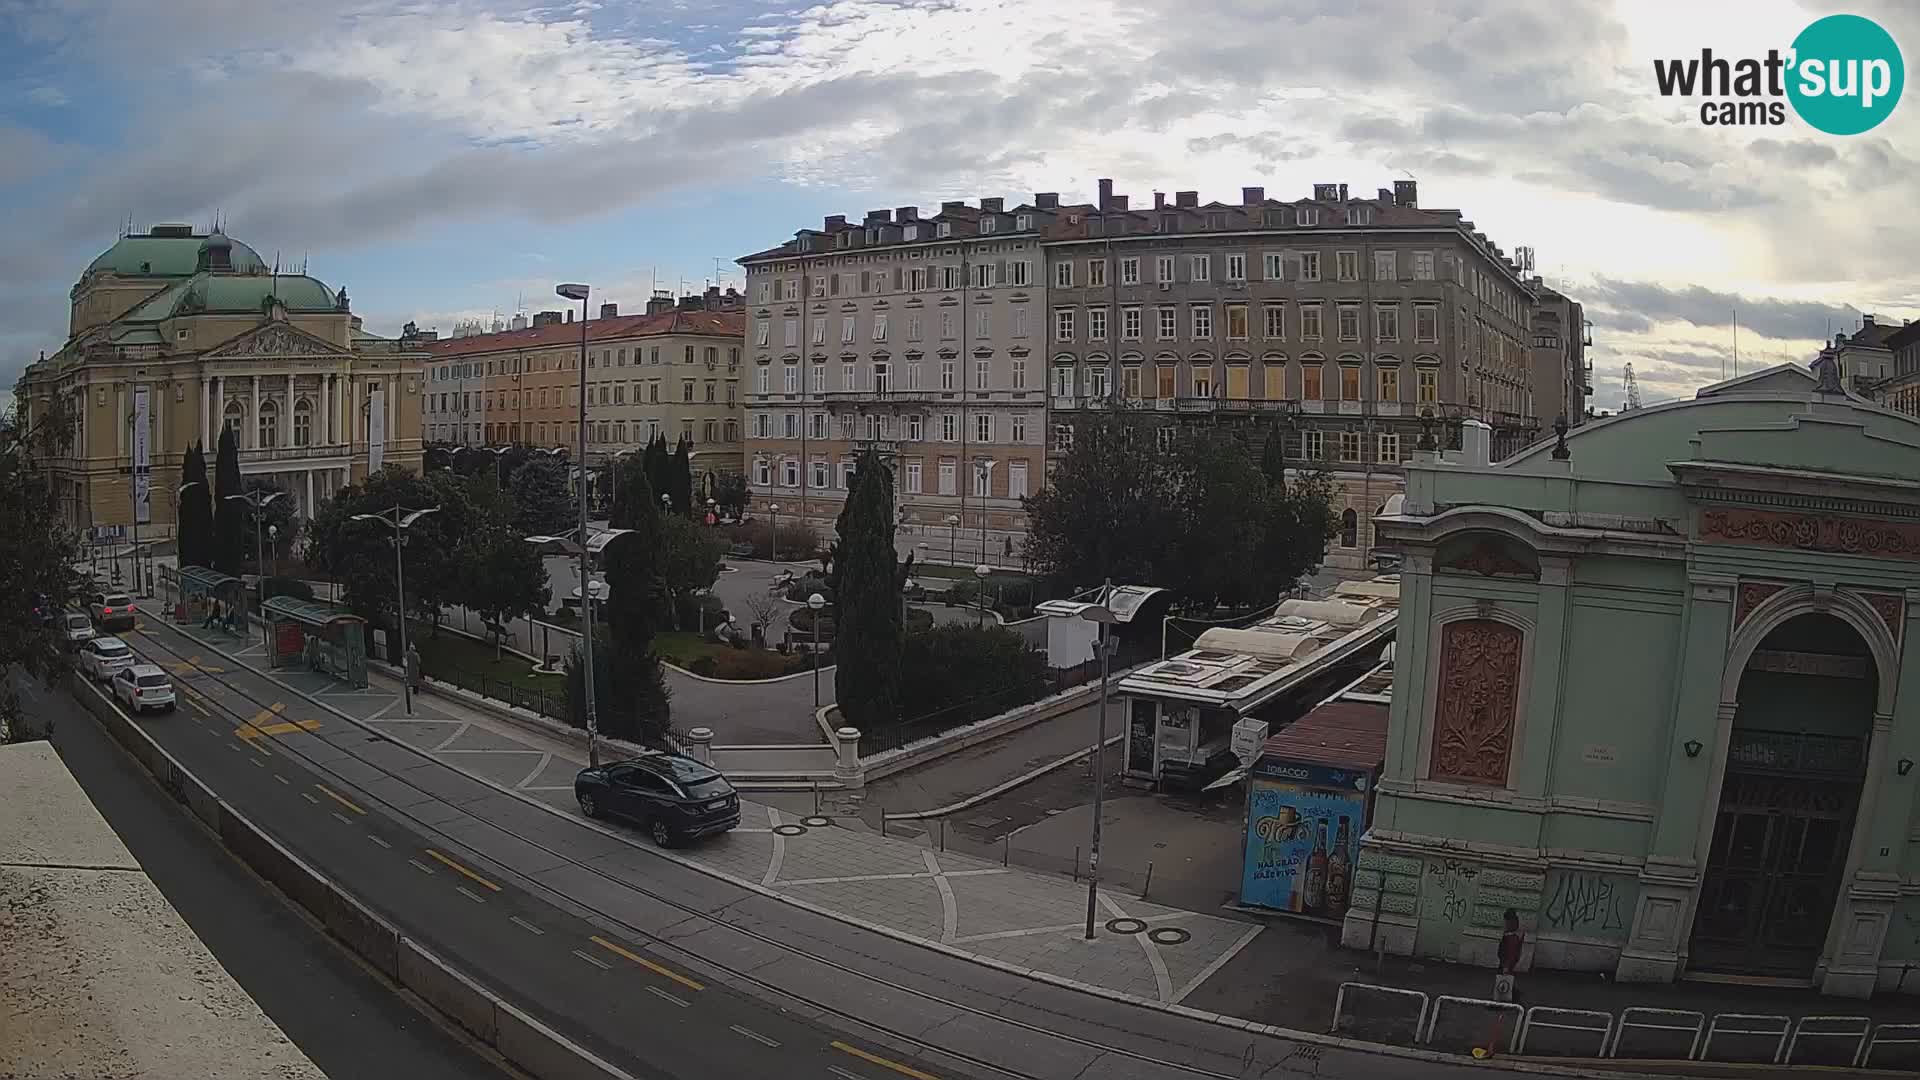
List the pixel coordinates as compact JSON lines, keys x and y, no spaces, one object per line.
{"x":816,"y":821}
{"x":983,"y":822}
{"x":1169,"y":935}
{"x":789,"y":830}
{"x":1125,"y":926}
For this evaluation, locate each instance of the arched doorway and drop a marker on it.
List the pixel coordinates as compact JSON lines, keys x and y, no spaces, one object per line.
{"x":1784,"y":826}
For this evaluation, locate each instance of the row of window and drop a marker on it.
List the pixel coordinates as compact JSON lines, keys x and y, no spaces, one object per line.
{"x":882,"y":377}
{"x":1308,"y":322}
{"x":1347,"y":447}
{"x":606,"y":357}
{"x":599,"y":433}
{"x":989,"y":480}
{"x":603,"y":394}
{"x":911,"y":427}
{"x":1239,"y":384}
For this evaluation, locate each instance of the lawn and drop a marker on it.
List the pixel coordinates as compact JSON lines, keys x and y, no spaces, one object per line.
{"x":689,"y":650}
{"x":450,"y":656}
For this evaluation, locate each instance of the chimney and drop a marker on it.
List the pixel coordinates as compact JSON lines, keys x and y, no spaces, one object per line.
{"x":881,"y":216}
{"x":1046,"y":200}
{"x":569,"y":314}
{"x":835,"y":222}
{"x":953,"y":206}
{"x":1106,"y":194}
{"x":1119,"y":202}
{"x":545,"y":318}
{"x":1343,"y":193}
{"x":1406,"y":193}
{"x":1385,"y":196}
{"x":1252,"y":195}
{"x":907,"y":213}
{"x":660,"y":302}
{"x":609,"y":311}
{"x":1866,"y":321}
{"x":1186,"y":198}
{"x":1159,"y":200}
{"x":991,"y":206}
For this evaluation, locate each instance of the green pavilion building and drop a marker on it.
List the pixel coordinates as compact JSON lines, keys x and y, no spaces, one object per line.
{"x":1652,"y":692}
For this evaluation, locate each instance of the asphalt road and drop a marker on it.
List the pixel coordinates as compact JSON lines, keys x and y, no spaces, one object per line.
{"x":650,"y":963}
{"x":349,"y":1021}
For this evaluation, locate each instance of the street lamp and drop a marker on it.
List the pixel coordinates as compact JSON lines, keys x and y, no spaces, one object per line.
{"x":981,"y":573}
{"x":775,"y":508}
{"x":259,"y":499}
{"x":953,"y":539}
{"x":580,"y":293}
{"x":815,"y":603}
{"x":273,"y":537}
{"x":713,"y":511}
{"x":1102,"y":614}
{"x":401,"y":519}
{"x":666,"y":503}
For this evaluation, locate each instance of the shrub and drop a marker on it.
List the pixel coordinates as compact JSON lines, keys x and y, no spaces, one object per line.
{"x":800,"y":588}
{"x":798,"y":542}
{"x":963,"y":593}
{"x":801,"y":619}
{"x":285,"y":586}
{"x":703,"y":665}
{"x":919,"y":619}
{"x":967,"y":673}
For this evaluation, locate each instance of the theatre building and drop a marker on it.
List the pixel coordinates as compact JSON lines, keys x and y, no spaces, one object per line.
{"x":1654,"y":691}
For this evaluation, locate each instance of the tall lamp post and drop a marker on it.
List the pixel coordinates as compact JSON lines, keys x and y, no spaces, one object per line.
{"x":816,"y":603}
{"x":259,"y":499}
{"x":953,"y":539}
{"x":580,"y":293}
{"x":401,"y":519}
{"x":775,"y":509}
{"x":1102,"y":614}
{"x":981,"y":573}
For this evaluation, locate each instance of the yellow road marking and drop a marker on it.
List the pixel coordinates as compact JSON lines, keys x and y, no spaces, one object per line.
{"x":903,"y":1070}
{"x":458,"y":869}
{"x":337,"y":797}
{"x":646,"y":963}
{"x":191,"y":665}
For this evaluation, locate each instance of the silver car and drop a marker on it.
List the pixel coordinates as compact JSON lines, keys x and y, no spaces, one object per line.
{"x":78,"y":628}
{"x":104,"y":657}
{"x":143,"y":686}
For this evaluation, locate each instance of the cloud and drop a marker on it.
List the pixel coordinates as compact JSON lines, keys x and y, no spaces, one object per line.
{"x":1645,"y":302}
{"x":51,"y":97}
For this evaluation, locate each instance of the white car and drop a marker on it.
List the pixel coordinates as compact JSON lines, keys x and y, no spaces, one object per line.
{"x":78,"y":628}
{"x":104,"y":657}
{"x":143,"y":686}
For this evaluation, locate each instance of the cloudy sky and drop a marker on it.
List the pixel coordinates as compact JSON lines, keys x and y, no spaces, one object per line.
{"x":445,"y":159}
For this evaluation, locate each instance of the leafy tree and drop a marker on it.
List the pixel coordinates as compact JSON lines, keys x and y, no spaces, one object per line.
{"x":867,"y":582}
{"x":503,"y":577}
{"x":195,"y":540}
{"x":230,"y":537}
{"x":538,"y":494}
{"x":689,"y":563}
{"x":1223,"y":489}
{"x":278,"y":514}
{"x":359,"y":554}
{"x":656,"y":459}
{"x":36,"y":564}
{"x":680,"y":477}
{"x":1109,"y":509}
{"x":1300,"y":524}
{"x":1273,"y":457}
{"x":965,"y":672}
{"x":731,"y":494}
{"x":638,"y":707}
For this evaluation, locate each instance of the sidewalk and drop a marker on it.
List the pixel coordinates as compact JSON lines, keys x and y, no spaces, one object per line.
{"x":967,"y":774}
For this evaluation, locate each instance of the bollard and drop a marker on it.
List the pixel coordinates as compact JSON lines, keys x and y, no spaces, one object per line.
{"x":883,"y":823}
{"x":816,"y":798}
{"x":943,"y":834}
{"x":1149,"y":886}
{"x":1006,"y":850}
{"x":1076,"y":862}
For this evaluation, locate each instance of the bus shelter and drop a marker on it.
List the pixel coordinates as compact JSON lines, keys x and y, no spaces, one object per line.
{"x":321,"y":639}
{"x":196,"y":594}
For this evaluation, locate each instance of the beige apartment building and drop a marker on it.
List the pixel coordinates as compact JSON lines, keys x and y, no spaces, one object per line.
{"x":1562,"y":374}
{"x":1334,"y":322}
{"x":175,"y":335}
{"x":674,"y":372}
{"x":920,"y":337}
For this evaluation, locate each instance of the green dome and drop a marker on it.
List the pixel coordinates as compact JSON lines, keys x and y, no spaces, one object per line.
{"x":171,"y":255}
{"x":232,"y":294}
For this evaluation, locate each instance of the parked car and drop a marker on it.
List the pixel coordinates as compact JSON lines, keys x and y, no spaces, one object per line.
{"x":113,"y":611}
{"x":78,"y":629}
{"x":143,"y":686}
{"x":674,"y":797}
{"x":104,"y":657}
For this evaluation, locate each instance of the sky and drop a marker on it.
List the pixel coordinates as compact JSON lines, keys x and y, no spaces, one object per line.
{"x":449,"y":160}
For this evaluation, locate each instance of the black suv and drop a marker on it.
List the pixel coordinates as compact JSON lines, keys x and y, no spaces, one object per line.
{"x":675,"y":797}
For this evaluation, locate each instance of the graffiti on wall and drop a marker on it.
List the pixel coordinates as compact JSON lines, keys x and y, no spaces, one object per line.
{"x":1448,"y":893}
{"x":1589,"y":904}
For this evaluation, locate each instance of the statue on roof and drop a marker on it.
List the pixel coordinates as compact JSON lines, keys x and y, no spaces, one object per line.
{"x":340,"y":300}
{"x":1826,"y":368}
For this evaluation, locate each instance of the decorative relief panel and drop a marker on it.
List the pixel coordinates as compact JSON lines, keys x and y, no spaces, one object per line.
{"x":1488,"y":559}
{"x":1891,"y":607}
{"x":1752,"y":595}
{"x":1478,"y":698}
{"x":1812,"y":532}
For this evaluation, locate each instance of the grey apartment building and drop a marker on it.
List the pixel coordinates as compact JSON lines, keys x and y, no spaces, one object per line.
{"x":1334,"y":322}
{"x":921,"y":337}
{"x":1562,"y":374}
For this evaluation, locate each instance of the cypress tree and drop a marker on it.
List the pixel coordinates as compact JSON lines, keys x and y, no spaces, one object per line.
{"x":654,"y":459}
{"x":868,"y":634}
{"x":636,"y":610}
{"x":196,"y":510}
{"x":680,"y":477}
{"x":229,"y":515}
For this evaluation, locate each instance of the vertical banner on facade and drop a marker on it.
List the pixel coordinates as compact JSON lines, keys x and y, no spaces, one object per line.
{"x":142,"y":504}
{"x":376,"y":429}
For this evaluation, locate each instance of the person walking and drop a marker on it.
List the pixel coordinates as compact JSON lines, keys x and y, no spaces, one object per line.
{"x":1513,"y":942}
{"x":413,"y":668}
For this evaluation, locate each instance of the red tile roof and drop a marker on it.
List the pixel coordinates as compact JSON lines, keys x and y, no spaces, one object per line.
{"x":1338,"y":734}
{"x":732,"y":324}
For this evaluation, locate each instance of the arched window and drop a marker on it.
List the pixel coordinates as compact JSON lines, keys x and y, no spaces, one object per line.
{"x":235,"y":417}
{"x":269,"y":424}
{"x":1349,"y":528}
{"x":303,"y":423}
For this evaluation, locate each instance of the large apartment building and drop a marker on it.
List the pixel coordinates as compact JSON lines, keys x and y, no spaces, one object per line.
{"x":673,"y":372}
{"x":1335,"y":322}
{"x":969,"y":343}
{"x":920,"y":337}
{"x":1562,"y":374}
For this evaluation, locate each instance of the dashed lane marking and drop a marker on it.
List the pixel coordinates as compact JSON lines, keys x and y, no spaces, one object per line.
{"x":755,"y":1036}
{"x":375,"y":837}
{"x":308,"y":795}
{"x":342,"y":818}
{"x":257,"y":763}
{"x":470,"y":894}
{"x":664,"y":996}
{"x":592,"y":959}
{"x":903,"y":1070}
{"x":280,"y":778}
{"x":420,"y":866}
{"x":525,"y":925}
{"x":657,"y":969}
{"x":461,"y":870}
{"x":339,"y":798}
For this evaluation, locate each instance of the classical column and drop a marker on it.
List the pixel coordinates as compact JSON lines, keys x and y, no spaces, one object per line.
{"x":253,"y":418}
{"x":310,"y":503}
{"x":206,"y":409}
{"x":120,"y":411}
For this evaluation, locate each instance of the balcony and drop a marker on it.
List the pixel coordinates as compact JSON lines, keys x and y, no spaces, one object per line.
{"x":293,"y":453}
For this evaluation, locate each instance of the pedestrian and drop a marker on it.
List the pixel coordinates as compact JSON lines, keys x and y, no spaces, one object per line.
{"x":413,"y":668}
{"x":213,"y":611}
{"x":1512,"y":942}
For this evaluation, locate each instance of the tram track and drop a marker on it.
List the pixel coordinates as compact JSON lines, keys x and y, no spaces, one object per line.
{"x":1300,"y":1058}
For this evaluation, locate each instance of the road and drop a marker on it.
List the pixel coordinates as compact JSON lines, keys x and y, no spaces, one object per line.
{"x":646,"y":960}
{"x":346,"y":1019}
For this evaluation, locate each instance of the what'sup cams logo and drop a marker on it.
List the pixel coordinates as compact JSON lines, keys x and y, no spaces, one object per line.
{"x":1843,"y":75}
